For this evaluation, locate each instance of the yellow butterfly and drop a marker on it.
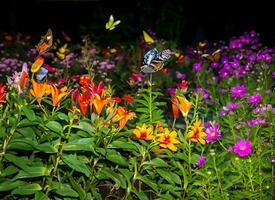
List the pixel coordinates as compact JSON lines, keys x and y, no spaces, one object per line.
{"x":147,"y":38}
{"x":214,"y":57}
{"x":111,"y":24}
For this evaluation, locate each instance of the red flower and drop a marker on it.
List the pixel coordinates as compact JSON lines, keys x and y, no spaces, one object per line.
{"x":3,"y":93}
{"x":128,"y":98}
{"x":84,"y":80}
{"x":83,"y":101}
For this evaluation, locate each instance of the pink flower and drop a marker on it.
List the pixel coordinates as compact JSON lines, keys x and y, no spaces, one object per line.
{"x":201,"y":161}
{"x":212,"y":133}
{"x":243,"y":148}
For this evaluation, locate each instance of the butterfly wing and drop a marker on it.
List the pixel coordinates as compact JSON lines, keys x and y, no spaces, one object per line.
{"x":147,"y":38}
{"x":42,"y":72}
{"x":216,"y":55}
{"x":45,"y":43}
{"x":149,"y":56}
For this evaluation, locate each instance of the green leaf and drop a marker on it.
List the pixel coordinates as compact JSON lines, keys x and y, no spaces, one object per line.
{"x":148,"y":182}
{"x":54,"y":126}
{"x":30,"y":172}
{"x":116,"y":157}
{"x":9,"y":170}
{"x":27,"y":189}
{"x":73,"y":162}
{"x":120,"y":144}
{"x":21,"y":162}
{"x":63,"y":116}
{"x":83,"y":144}
{"x":40,"y":196}
{"x":27,"y":132}
{"x":10,"y":184}
{"x":77,"y":187}
{"x":25,"y":144}
{"x":2,"y":131}
{"x":157,"y":162}
{"x":63,"y":189}
{"x":29,"y":113}
{"x":85,"y":127}
{"x":171,"y":177}
{"x":106,"y":173}
{"x":140,"y":194}
{"x":46,"y":148}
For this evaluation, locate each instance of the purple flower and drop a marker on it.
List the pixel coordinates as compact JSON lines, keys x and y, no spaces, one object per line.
{"x":180,"y":75}
{"x":255,"y":99}
{"x":238,"y":91}
{"x":171,"y":90}
{"x":232,"y":106}
{"x":243,"y":148}
{"x":201,"y":161}
{"x":257,"y":121}
{"x":213,"y":133}
{"x":273,"y":160}
{"x":197,"y":66}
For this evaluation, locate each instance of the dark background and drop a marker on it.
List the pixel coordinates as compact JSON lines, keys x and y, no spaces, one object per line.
{"x":184,"y":21}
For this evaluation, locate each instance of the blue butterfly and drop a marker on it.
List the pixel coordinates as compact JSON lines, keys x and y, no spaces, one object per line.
{"x":42,"y":72}
{"x":154,"y":61}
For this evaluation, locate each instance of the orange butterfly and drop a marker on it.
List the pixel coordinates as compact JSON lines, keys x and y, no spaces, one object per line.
{"x":214,"y":57}
{"x":45,"y":43}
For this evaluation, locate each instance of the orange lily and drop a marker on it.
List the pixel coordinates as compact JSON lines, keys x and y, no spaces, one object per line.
{"x":39,"y":90}
{"x":184,"y":105}
{"x":57,"y":94}
{"x":83,"y":101}
{"x":123,"y":116}
{"x":37,"y":64}
{"x":168,"y":139}
{"x":197,"y":134}
{"x":174,"y":107}
{"x":144,"y":133}
{"x":24,"y":77}
{"x":99,"y":103}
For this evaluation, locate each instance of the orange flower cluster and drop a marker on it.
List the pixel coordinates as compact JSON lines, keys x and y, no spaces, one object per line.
{"x":39,"y":90}
{"x":94,"y":98}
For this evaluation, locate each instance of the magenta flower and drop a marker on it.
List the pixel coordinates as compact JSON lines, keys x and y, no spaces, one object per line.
{"x":171,"y":90}
{"x":197,"y":67}
{"x":243,"y":148}
{"x":255,"y":99}
{"x":213,"y":133}
{"x":238,"y":91}
{"x":257,"y":121}
{"x":201,"y":161}
{"x":232,"y":106}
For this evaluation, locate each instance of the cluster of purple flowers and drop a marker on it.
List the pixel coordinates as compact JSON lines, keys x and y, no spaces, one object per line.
{"x":10,"y":65}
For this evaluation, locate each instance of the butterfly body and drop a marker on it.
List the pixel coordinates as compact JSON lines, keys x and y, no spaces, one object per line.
{"x":154,"y":61}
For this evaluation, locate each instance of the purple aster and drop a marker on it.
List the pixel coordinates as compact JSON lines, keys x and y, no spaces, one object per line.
{"x":180,"y":75}
{"x":197,"y":66}
{"x":257,"y":121}
{"x":238,"y":91}
{"x":273,"y":160}
{"x":242,"y":148}
{"x":213,"y":133}
{"x":255,"y":99}
{"x":273,"y":74}
{"x":201,"y":161}
{"x":171,"y":90}
{"x":232,"y":106}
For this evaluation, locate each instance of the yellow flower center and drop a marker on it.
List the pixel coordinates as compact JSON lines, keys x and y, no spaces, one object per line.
{"x":213,"y":134}
{"x":242,"y":147}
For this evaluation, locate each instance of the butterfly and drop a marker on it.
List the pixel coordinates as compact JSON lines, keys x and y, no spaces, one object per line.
{"x":154,"y":61}
{"x":111,"y":24}
{"x":45,"y":43}
{"x":214,"y":57}
{"x":147,"y":38}
{"x":42,"y":72}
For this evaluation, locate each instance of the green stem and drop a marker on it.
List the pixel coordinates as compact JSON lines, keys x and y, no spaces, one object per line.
{"x":59,"y":155}
{"x":218,"y":177}
{"x":189,"y":157}
{"x":174,"y":122}
{"x":150,"y":96}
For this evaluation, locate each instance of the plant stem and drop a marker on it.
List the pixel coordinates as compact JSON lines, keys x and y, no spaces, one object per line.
{"x":218,"y":177}
{"x":150,"y":96}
